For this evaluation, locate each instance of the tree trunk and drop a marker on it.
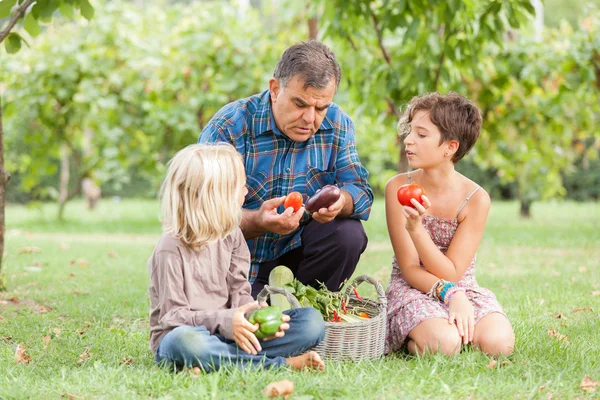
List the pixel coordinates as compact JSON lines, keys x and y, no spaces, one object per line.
{"x":313,"y":28}
{"x":64,"y":180}
{"x":525,"y":208}
{"x":402,"y":160}
{"x":4,"y":177}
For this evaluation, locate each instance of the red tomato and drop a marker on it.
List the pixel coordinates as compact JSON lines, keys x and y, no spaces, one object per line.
{"x":294,"y":200}
{"x":408,"y":192}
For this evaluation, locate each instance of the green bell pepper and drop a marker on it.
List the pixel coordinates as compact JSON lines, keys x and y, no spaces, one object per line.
{"x":268,"y":320}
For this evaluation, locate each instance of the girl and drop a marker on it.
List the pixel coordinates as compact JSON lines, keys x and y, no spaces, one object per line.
{"x":435,"y":303}
{"x":199,"y":289}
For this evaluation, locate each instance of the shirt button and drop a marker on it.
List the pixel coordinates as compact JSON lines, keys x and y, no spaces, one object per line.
{"x":287,"y":170}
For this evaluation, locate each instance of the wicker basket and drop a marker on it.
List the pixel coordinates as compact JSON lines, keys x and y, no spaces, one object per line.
{"x":349,"y":340}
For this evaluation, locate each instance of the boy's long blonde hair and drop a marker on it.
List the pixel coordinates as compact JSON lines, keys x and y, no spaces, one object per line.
{"x":200,"y":193}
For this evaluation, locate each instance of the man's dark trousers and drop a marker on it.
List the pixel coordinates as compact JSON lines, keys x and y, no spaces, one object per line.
{"x":329,"y":254}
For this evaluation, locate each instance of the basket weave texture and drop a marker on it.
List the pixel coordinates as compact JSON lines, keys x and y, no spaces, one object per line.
{"x":349,"y":340}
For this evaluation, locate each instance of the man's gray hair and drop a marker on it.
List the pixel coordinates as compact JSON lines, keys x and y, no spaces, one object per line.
{"x":312,"y":61}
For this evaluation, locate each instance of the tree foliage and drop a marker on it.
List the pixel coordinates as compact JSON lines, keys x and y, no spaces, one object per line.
{"x":531,"y":92}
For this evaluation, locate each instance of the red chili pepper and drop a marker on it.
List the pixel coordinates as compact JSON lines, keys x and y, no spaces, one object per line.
{"x":356,"y":294}
{"x":344,"y":307}
{"x":335,"y":316}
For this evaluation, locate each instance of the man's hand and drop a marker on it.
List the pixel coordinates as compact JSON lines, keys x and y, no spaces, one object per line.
{"x":283,"y":223}
{"x":344,"y":206}
{"x":243,"y":330}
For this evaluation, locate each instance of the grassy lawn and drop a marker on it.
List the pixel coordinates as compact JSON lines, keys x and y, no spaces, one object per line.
{"x":78,"y":301}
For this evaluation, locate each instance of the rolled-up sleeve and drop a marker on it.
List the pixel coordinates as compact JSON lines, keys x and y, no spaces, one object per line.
{"x":174,"y":304}
{"x":239,"y":286}
{"x":353,"y":176}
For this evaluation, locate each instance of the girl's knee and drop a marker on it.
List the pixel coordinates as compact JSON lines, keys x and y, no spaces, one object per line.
{"x":445,"y":342}
{"x":499,"y":343}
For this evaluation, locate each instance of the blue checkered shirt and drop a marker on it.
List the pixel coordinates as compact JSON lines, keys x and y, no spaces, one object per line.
{"x":276,"y":165}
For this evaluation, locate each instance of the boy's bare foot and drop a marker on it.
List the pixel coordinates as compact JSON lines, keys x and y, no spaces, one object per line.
{"x":310,"y":359}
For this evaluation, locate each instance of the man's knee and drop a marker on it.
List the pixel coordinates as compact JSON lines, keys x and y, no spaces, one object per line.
{"x":350,"y":236}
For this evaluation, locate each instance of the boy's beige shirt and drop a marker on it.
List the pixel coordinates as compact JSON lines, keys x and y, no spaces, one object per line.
{"x":197,"y":288}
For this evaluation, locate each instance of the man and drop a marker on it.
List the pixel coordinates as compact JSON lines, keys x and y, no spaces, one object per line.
{"x":294,"y":138}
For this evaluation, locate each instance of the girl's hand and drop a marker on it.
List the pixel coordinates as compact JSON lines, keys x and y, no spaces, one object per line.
{"x":243,"y":330}
{"x":461,"y":312}
{"x":413,"y":215}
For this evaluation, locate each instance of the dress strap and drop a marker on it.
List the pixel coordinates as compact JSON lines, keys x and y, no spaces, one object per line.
{"x":464,"y":203}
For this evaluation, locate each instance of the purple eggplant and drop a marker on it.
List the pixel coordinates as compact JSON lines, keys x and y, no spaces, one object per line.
{"x":323,"y":198}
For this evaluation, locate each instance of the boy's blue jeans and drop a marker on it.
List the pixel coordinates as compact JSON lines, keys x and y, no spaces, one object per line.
{"x":194,"y":346}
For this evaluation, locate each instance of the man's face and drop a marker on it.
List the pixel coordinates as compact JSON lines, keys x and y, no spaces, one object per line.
{"x":299,"y":111}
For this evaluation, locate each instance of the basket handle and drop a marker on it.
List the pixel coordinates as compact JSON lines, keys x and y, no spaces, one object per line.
{"x":269,"y":290}
{"x":366,"y":278}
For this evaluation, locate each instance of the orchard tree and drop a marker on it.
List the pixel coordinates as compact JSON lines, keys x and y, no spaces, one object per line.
{"x":400,"y":49}
{"x":30,"y":13}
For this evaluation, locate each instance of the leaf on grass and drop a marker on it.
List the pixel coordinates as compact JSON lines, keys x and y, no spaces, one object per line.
{"x":492,"y":266}
{"x":56,"y":331}
{"x":64,"y":246}
{"x":555,"y":273}
{"x":112,"y":254}
{"x":540,"y":300}
{"x":558,"y":336}
{"x":549,"y":396}
{"x":595,"y":293}
{"x":588,"y":384}
{"x":560,"y":316}
{"x":126,"y":360}
{"x":86,"y":326}
{"x":71,"y":275}
{"x":82,"y":262}
{"x":578,"y":309}
{"x":283,"y":388}
{"x":83,"y":357}
{"x":46,"y":340}
{"x":71,"y":396}
{"x":582,"y":269}
{"x":41,"y":309}
{"x":6,"y":338}
{"x":542,"y":388}
{"x":29,"y":249}
{"x":21,"y":355}
{"x":1,"y":318}
{"x":14,"y":300}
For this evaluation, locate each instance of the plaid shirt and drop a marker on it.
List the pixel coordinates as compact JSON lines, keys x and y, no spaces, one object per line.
{"x":277,"y":165}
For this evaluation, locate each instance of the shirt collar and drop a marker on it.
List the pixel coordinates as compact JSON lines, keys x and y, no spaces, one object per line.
{"x":264,"y":122}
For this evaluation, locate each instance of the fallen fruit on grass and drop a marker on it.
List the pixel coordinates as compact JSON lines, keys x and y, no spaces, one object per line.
{"x":294,"y":200}
{"x":408,"y":192}
{"x":323,"y":198}
{"x":268,"y":320}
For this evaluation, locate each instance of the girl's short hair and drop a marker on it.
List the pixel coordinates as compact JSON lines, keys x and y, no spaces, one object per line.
{"x":200,"y":193}
{"x":456,"y":117}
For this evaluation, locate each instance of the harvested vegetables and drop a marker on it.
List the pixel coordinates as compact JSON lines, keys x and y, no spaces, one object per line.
{"x":333,"y":306}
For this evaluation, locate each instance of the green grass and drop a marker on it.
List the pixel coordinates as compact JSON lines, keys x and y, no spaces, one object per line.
{"x":91,"y":273}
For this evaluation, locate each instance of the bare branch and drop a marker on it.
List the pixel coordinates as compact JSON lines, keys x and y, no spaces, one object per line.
{"x":393,"y":107}
{"x":386,"y":55}
{"x":15,"y":18}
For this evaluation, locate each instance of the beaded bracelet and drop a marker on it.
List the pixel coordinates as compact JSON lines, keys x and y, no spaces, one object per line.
{"x":451,"y":293}
{"x":440,"y":289}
